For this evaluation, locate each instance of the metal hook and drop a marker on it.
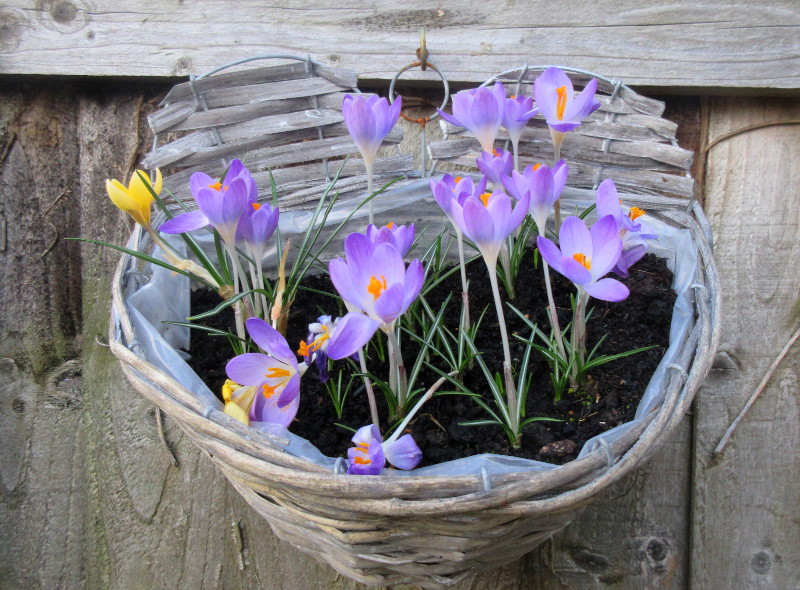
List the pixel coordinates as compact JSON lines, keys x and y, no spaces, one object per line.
{"x":422,"y":51}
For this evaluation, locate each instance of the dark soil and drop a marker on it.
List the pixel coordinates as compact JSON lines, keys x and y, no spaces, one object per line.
{"x":608,"y":398}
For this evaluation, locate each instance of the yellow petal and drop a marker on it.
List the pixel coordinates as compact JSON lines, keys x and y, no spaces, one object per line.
{"x":119,"y":195}
{"x":157,"y":186}
{"x":234,"y":411}
{"x":228,"y":388}
{"x":139,"y":190}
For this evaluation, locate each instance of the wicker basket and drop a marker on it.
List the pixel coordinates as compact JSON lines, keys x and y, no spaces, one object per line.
{"x":432,"y":531}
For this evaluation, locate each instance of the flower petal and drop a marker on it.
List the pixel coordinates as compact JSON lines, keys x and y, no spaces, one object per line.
{"x":607,"y":290}
{"x":390,"y":303}
{"x":574,"y":237}
{"x":269,"y":340}
{"x":403,"y":453}
{"x":184,"y":222}
{"x":290,"y":393}
{"x":352,"y":332}
{"x":550,"y":253}
{"x":250,"y":368}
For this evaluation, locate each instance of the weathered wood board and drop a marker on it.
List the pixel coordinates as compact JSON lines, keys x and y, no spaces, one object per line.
{"x":745,"y":528}
{"x":90,"y":498}
{"x":708,"y":43}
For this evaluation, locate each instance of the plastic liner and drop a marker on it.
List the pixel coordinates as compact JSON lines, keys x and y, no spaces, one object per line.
{"x":166,"y":298}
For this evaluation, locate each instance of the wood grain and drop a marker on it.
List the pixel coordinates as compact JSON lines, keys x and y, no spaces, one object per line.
{"x":745,"y":530}
{"x":708,"y":43}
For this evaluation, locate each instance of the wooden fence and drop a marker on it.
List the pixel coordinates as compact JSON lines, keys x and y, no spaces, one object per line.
{"x":90,"y":498}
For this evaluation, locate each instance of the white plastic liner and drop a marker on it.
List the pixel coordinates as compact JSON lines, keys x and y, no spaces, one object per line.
{"x":166,"y":298}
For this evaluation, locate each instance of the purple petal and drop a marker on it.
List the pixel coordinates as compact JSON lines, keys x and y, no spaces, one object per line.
{"x":583,"y":105}
{"x":351,"y":333}
{"x":449,"y":118}
{"x":604,"y":230}
{"x":607,"y":200}
{"x":200,"y":180}
{"x":267,"y":410}
{"x":290,"y":392}
{"x":605,"y":256}
{"x":403,"y":453}
{"x":550,"y":253}
{"x":358,"y":248}
{"x":628,"y":258}
{"x":386,"y":262}
{"x":574,"y":237}
{"x":184,"y":222}
{"x":607,"y":290}
{"x":575,"y":271}
{"x":478,"y":223}
{"x":250,"y":368}
{"x":390,"y":303}
{"x":415,"y":277}
{"x":270,"y":340}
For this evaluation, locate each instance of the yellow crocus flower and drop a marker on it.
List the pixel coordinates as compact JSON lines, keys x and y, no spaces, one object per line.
{"x":238,"y":400}
{"x":136,"y":198}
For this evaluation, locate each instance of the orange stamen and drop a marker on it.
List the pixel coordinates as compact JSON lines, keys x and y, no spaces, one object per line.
{"x":635,"y":212}
{"x":216,"y":186}
{"x":390,"y":225}
{"x":485,"y":199}
{"x":256,"y":206}
{"x":580,"y":257}
{"x":561,"y":102}
{"x":495,"y":153}
{"x":362,"y":461}
{"x":376,"y":286}
{"x":268,"y":390}
{"x":535,"y":167}
{"x":275,"y":372}
{"x":304,"y":349}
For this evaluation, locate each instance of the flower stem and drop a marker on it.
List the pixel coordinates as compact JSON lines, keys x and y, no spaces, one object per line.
{"x":464,"y":289}
{"x":511,"y":389}
{"x":558,"y":139}
{"x":257,"y":301}
{"x":237,"y":275}
{"x":578,"y":336}
{"x":551,"y":308}
{"x":515,"y":147}
{"x":428,"y":395}
{"x":373,"y":407}
{"x":397,"y":367}
{"x":368,"y":165}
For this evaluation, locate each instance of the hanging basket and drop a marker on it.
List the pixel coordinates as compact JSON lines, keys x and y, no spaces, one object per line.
{"x":432,"y":531}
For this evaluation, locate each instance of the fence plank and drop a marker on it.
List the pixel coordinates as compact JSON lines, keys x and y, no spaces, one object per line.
{"x":754,"y":46}
{"x":746,"y":533}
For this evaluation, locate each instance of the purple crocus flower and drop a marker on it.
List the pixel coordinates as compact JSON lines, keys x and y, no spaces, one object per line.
{"x":374,"y":280}
{"x":633,"y":232}
{"x":543,"y":185}
{"x":517,"y":111}
{"x":266,"y":409}
{"x":336,"y":339}
{"x":369,"y":119}
{"x":220,"y":204}
{"x":562,"y":108}
{"x":370,"y":454}
{"x":399,"y":236}
{"x":277,"y":373}
{"x":587,"y":255}
{"x":495,"y":165}
{"x":480,"y":111}
{"x":256,"y":227}
{"x":448,"y":188}
{"x":488,"y":219}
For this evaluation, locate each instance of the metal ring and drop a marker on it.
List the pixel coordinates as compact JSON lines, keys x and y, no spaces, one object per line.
{"x":417,"y":64}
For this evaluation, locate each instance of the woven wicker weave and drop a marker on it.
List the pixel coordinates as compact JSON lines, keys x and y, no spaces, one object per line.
{"x":436,"y":531}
